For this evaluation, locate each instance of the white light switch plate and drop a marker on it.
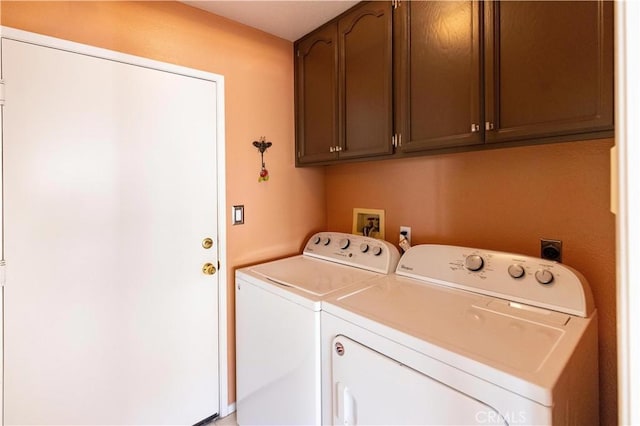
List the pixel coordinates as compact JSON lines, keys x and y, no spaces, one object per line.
{"x":237,"y":214}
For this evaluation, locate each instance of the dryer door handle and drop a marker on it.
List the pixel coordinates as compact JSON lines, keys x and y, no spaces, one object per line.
{"x":346,"y":408}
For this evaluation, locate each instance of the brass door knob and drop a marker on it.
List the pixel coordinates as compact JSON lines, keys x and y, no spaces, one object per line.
{"x":207,"y":243}
{"x":208,"y":269}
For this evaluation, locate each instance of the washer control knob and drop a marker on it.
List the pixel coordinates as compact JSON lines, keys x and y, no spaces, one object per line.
{"x":377,"y":250}
{"x":326,"y":241}
{"x":364,"y":247}
{"x":474,"y":262}
{"x":544,"y":276}
{"x":317,"y":239}
{"x":516,"y":271}
{"x":344,"y":243}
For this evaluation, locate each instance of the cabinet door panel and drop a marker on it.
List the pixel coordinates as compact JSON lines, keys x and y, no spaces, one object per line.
{"x":316,"y":96}
{"x":440,"y":81}
{"x":549,"y":68}
{"x":366,"y":80}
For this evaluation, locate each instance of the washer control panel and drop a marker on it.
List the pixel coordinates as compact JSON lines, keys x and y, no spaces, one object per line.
{"x":513,"y":277}
{"x":354,"y":250}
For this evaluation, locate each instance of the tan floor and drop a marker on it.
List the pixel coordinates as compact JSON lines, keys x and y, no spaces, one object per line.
{"x":230,"y":420}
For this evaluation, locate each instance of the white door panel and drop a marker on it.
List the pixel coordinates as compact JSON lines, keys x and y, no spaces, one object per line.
{"x":110,"y":187}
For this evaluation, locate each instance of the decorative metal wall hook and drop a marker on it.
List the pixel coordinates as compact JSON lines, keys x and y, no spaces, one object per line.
{"x":262,"y":146}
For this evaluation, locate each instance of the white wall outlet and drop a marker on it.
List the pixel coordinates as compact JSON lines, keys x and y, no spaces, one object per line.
{"x":406,"y":232}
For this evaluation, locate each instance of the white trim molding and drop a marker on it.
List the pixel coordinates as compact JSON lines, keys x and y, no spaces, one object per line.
{"x":626,"y":201}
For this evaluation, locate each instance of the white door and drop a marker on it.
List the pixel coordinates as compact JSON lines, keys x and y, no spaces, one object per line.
{"x":109,"y":190}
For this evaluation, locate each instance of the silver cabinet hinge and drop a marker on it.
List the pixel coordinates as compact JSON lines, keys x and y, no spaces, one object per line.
{"x":395,"y":4}
{"x":1,"y":92}
{"x":3,"y":274}
{"x":475,"y":128}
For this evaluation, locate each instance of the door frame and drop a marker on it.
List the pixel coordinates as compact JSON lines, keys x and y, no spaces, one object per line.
{"x":28,"y":37}
{"x":625,"y":203}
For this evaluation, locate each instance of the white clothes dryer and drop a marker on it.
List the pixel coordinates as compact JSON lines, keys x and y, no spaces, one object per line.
{"x":463,"y":336}
{"x":278,"y":304}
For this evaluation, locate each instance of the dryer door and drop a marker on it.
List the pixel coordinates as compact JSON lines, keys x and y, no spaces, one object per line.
{"x":370,"y":388}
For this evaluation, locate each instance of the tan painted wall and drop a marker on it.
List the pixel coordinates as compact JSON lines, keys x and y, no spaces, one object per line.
{"x":258,"y":69}
{"x":506,"y":200}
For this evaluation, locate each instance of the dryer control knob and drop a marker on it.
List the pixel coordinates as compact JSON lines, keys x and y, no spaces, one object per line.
{"x":344,"y":243}
{"x":474,"y":262}
{"x":544,"y":276}
{"x":326,"y":241}
{"x":364,"y":247}
{"x":377,"y":251}
{"x":516,"y":271}
{"x":316,"y":240}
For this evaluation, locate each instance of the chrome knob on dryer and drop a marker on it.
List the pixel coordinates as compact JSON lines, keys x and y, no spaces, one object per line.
{"x":516,"y":271}
{"x":364,"y":247}
{"x":326,"y":241}
{"x":474,"y":262}
{"x":544,"y":276}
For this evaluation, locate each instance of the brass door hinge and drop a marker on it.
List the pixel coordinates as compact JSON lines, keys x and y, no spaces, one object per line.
{"x":1,"y":92}
{"x":3,"y":274}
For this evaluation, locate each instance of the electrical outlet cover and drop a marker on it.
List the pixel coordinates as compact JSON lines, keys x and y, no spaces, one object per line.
{"x":551,"y":249}
{"x":406,"y":231}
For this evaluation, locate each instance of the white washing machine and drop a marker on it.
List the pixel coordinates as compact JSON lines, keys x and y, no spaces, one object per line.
{"x":278,"y":304}
{"x":463,"y":336}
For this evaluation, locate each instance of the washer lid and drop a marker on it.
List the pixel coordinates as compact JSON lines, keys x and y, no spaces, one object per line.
{"x":312,"y":276}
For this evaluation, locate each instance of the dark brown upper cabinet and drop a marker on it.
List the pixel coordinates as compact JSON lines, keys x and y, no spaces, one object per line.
{"x":521,"y":72}
{"x":453,"y":75}
{"x":344,"y":87}
{"x":439,"y":84}
{"x":548,"y":69}
{"x":316,"y":90}
{"x":366,"y":80}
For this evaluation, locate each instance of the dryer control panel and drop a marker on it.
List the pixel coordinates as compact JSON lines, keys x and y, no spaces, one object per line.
{"x":513,"y":277}
{"x":354,"y":250}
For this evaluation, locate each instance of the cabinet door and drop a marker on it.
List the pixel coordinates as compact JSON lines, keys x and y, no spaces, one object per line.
{"x":316,"y":96}
{"x":366,"y":114}
{"x":549,"y":68}
{"x":439,"y":101}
